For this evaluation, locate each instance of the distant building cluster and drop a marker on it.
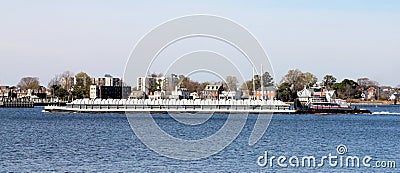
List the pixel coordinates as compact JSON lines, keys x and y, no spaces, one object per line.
{"x":165,"y":87}
{"x":108,"y":87}
{"x":372,"y":93}
{"x":170,"y":88}
{"x":8,"y":93}
{"x":383,"y":92}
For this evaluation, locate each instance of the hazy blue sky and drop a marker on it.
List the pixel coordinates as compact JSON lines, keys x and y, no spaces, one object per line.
{"x":346,"y":38}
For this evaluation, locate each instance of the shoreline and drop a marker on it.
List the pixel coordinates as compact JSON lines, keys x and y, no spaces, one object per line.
{"x":378,"y":102}
{"x":352,"y":102}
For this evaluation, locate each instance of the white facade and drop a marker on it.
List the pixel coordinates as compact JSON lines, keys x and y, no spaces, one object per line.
{"x":393,"y":96}
{"x":180,"y":93}
{"x":93,"y":92}
{"x":227,"y":95}
{"x":194,"y":95}
{"x":144,"y":83}
{"x":162,"y":82}
{"x":157,"y":95}
{"x":304,"y":94}
{"x":107,"y":81}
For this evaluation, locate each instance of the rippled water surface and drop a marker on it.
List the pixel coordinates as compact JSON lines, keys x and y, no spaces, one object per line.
{"x":33,"y":141}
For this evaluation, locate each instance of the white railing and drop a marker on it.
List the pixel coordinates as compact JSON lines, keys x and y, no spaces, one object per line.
{"x":168,"y":104}
{"x":174,"y":102}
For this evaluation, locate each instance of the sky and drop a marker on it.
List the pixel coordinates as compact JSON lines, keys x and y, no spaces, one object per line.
{"x":345,"y":38}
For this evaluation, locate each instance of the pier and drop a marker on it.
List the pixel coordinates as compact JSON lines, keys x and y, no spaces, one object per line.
{"x":15,"y":104}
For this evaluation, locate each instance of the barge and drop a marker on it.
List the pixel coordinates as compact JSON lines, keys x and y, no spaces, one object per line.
{"x":172,"y":106}
{"x":316,"y":101}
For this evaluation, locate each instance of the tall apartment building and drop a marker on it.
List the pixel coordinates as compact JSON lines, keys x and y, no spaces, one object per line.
{"x":164,"y":83}
{"x":107,"y":80}
{"x":108,"y":87}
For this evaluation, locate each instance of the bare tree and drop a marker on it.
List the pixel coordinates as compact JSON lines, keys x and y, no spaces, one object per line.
{"x":29,"y":83}
{"x":55,"y":81}
{"x":192,"y":86}
{"x":298,"y":79}
{"x":231,"y":82}
{"x":309,"y":79}
{"x":67,"y":80}
{"x":294,"y":78}
{"x":365,"y":83}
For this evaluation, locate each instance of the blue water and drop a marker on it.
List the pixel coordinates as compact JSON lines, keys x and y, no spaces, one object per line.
{"x":32,"y":141}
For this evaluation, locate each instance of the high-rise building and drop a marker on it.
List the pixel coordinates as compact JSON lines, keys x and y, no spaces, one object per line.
{"x":108,"y":87}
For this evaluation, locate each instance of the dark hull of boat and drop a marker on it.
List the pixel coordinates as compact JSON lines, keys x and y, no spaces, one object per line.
{"x":333,"y":111}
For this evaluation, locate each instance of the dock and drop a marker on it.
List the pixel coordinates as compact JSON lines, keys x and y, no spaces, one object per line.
{"x":15,"y":104}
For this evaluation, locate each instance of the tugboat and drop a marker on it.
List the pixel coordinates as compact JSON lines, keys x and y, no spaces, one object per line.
{"x":319,"y":100}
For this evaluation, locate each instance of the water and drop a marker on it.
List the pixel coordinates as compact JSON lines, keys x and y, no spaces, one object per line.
{"x":32,"y":141}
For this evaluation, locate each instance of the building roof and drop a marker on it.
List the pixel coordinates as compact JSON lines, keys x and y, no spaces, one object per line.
{"x":305,"y":93}
{"x":212,"y":87}
{"x":267,"y":89}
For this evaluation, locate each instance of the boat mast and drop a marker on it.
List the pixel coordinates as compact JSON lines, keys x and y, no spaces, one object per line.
{"x":262,"y":83}
{"x":254,"y":86}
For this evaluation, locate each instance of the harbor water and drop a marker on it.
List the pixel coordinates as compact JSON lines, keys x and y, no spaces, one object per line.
{"x":33,"y":141}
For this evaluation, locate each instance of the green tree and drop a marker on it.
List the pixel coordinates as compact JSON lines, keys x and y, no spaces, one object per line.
{"x":267,"y":80}
{"x":155,"y":86}
{"x":247,"y":85}
{"x":347,"y":89}
{"x":329,"y":80}
{"x":59,"y":92}
{"x":82,"y":86}
{"x":252,"y":85}
{"x":257,"y":81}
{"x":284,"y":92}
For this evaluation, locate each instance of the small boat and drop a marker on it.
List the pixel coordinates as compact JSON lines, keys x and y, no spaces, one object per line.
{"x":319,"y":100}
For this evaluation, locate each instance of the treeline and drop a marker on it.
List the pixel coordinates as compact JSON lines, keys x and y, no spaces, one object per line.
{"x":296,"y":80}
{"x":231,"y":83}
{"x":65,"y":88}
{"x":61,"y":85}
